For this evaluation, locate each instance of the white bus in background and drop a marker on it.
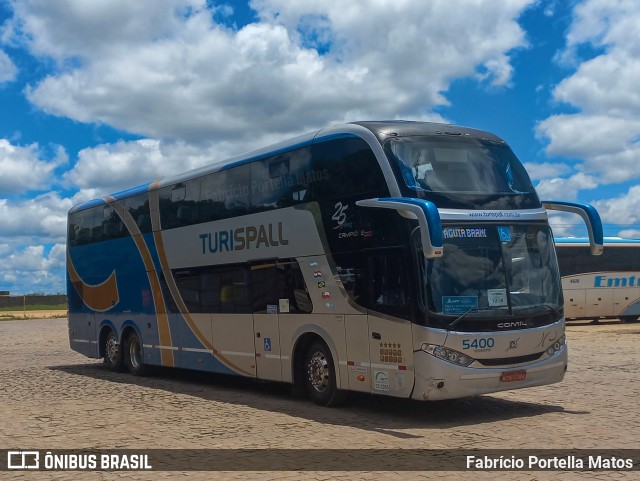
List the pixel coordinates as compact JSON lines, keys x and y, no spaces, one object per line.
{"x":600,"y":287}
{"x":403,"y":259}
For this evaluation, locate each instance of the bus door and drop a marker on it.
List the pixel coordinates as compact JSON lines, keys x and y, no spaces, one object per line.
{"x":390,"y":341}
{"x":232,"y":320}
{"x":273,"y":297}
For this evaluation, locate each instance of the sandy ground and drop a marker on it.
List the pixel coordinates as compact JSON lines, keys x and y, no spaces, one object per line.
{"x":54,"y":398}
{"x":20,"y":314}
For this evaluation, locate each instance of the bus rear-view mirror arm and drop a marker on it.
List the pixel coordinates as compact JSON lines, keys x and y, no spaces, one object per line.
{"x":428,"y":218}
{"x":590,"y":216}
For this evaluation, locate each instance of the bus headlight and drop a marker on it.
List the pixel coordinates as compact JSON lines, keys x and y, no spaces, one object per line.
{"x":446,"y":354}
{"x":557,"y":346}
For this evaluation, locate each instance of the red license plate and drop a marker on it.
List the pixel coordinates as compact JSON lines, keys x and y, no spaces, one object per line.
{"x":513,"y":376}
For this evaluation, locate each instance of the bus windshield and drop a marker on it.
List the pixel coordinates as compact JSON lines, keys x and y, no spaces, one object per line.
{"x":492,"y":270}
{"x":465,"y":165}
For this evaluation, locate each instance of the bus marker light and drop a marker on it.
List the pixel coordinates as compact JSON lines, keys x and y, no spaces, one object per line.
{"x":512,"y":376}
{"x":360,"y":378}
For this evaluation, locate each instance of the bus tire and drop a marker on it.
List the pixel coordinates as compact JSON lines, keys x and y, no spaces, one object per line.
{"x":133,"y":355}
{"x":113,"y":358}
{"x":320,"y":376}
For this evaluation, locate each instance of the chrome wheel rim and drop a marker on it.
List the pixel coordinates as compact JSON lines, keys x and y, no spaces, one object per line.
{"x":111,"y":349}
{"x":318,"y":371}
{"x":134,"y":353}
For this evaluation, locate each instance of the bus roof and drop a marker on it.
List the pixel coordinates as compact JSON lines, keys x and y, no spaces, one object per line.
{"x":381,"y":130}
{"x":399,"y":128}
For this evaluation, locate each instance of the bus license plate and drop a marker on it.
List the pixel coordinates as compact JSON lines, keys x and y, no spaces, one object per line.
{"x":513,"y":376}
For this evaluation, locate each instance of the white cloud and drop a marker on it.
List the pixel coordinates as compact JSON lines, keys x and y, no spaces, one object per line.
{"x":565,"y":189}
{"x":621,"y":210}
{"x":605,"y":131}
{"x":629,"y":233}
{"x":23,"y":169}
{"x":566,"y":225}
{"x":44,"y":216}
{"x":8,"y":70}
{"x":109,"y":168}
{"x":546,"y":170}
{"x":171,"y":72}
{"x":32,"y":268}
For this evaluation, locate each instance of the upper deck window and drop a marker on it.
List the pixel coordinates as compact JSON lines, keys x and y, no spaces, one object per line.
{"x":461,"y":165}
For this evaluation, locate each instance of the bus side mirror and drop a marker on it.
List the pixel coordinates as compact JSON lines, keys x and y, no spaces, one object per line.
{"x":428,"y":218}
{"x":590,"y":216}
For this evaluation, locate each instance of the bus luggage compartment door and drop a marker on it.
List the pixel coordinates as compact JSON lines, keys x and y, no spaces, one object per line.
{"x":574,"y":303}
{"x":623,"y":298}
{"x":599,"y":303}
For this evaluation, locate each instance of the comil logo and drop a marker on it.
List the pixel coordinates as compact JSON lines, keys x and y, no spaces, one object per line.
{"x":23,"y":460}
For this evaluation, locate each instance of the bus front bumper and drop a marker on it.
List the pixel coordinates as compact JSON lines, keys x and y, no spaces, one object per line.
{"x":436,"y":379}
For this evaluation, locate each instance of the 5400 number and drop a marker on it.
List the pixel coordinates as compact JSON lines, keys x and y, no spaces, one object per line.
{"x":482,"y":343}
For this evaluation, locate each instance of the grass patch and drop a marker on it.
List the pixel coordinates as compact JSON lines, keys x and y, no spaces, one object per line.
{"x":35,"y":307}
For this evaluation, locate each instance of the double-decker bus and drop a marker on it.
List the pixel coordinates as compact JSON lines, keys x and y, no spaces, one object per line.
{"x":602,"y":287}
{"x":405,"y":259}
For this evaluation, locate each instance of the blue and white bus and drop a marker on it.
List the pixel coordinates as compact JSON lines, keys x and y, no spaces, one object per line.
{"x":397,"y":258}
{"x":602,"y":287}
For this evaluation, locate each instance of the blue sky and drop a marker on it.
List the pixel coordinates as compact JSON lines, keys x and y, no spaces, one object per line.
{"x":100,"y":95}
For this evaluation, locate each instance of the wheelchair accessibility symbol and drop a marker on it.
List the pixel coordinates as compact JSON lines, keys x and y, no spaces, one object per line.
{"x":505,"y":234}
{"x":267,"y":343}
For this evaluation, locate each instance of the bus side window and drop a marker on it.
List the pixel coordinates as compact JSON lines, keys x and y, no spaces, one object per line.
{"x":346,"y":167}
{"x":301,"y":300}
{"x":178,"y":205}
{"x":280,"y":181}
{"x":272,"y":281}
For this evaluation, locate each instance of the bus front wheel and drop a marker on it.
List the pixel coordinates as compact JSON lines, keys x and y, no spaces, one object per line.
{"x":320,"y":376}
{"x":133,"y":355}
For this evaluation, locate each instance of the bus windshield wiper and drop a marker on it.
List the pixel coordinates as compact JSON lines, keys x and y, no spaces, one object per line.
{"x":473,"y":309}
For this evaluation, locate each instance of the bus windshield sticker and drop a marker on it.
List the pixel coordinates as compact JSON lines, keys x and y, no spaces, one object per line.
{"x":284,"y":305}
{"x":458,"y":304}
{"x":497,"y":297}
{"x":456,"y":233}
{"x":272,"y":309}
{"x":505,"y":233}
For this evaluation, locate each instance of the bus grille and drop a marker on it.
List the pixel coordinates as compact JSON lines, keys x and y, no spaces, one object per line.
{"x":510,"y":360}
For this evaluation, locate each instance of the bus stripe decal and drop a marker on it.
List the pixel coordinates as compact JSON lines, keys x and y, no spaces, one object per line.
{"x":164,"y":332}
{"x":99,"y":297}
{"x":154,"y":205}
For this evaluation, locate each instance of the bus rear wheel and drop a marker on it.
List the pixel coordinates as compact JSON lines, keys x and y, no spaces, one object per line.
{"x":320,"y":376}
{"x":133,"y":355}
{"x":113,"y":358}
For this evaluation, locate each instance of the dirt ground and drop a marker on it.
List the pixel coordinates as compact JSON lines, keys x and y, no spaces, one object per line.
{"x":20,"y":314}
{"x":54,"y":398}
